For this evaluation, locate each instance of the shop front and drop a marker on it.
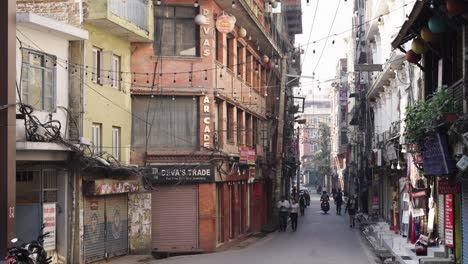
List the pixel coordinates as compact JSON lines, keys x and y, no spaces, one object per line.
{"x":106,"y":214}
{"x":42,"y":206}
{"x":183,"y":208}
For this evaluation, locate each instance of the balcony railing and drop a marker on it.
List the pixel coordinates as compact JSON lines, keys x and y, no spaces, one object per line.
{"x":134,"y":11}
{"x":456,"y":92}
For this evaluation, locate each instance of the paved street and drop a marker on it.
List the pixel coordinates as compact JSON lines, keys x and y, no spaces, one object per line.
{"x":319,"y":239}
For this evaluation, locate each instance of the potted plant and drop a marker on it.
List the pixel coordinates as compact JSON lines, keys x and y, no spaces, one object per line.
{"x":423,"y":117}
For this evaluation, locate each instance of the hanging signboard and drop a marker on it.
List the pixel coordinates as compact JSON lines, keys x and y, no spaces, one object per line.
{"x":449,"y":220}
{"x":251,"y":158}
{"x":436,"y":158}
{"x":343,"y":95}
{"x":244,"y":155}
{"x":49,"y":217}
{"x":225,"y":23}
{"x":182,"y":173}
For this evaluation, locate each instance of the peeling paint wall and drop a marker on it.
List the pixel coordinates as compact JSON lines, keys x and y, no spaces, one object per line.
{"x":139,"y":215}
{"x":68,"y":11}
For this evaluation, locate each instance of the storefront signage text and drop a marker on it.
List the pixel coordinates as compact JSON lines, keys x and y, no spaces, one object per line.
{"x":206,"y":122}
{"x":247,"y":156}
{"x":225,"y":23}
{"x":206,"y":34}
{"x":110,"y":186}
{"x":182,"y":173}
{"x":436,"y":158}
{"x":448,"y":187}
{"x":449,"y":220}
{"x":49,"y":217}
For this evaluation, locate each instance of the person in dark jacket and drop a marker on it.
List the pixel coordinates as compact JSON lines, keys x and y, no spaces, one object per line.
{"x":351,"y":207}
{"x":338,"y":202}
{"x":302,"y":204}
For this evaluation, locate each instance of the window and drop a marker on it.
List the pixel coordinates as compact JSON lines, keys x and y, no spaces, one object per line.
{"x":116,"y":142}
{"x":115,"y":72}
{"x":173,"y":123}
{"x":230,"y":123}
{"x":219,"y":121}
{"x":230,"y":52}
{"x":249,"y":63}
{"x":175,"y":32}
{"x":240,"y":61}
{"x":254,"y":131}
{"x":38,"y":80}
{"x":96,"y":75}
{"x":97,"y":138}
{"x":219,"y":48}
{"x":248,"y":134}
{"x":240,"y":127}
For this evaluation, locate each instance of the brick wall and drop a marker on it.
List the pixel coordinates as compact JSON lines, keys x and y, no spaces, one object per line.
{"x":67,"y":11}
{"x":207,"y":216}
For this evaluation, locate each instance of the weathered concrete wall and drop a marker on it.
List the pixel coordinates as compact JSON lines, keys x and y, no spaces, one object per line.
{"x":68,"y":11}
{"x":139,"y":214}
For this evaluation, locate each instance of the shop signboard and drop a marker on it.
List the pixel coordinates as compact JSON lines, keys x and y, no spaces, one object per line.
{"x":244,"y":155}
{"x":251,"y":158}
{"x":110,"y":186}
{"x":449,"y":187}
{"x":225,"y":23}
{"x":182,"y":173}
{"x":343,"y":95}
{"x":436,"y":158}
{"x":449,"y":220}
{"x":49,"y":217}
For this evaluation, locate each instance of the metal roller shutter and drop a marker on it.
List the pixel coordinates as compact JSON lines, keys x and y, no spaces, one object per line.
{"x":464,"y":224}
{"x":94,"y":229}
{"x":117,"y":225}
{"x":175,"y":218}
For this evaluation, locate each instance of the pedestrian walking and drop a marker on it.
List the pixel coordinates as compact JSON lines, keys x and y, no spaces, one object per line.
{"x":293,"y":214}
{"x":338,"y":202}
{"x":307,"y":197}
{"x":283,"y":206}
{"x":302,"y":204}
{"x":351,"y":207}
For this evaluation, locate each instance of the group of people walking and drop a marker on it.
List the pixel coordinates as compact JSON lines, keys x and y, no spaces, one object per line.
{"x":292,"y":209}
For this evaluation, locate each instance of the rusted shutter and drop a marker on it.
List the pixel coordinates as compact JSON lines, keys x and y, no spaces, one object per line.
{"x":94,"y":229}
{"x":116,"y":225}
{"x":175,"y":218}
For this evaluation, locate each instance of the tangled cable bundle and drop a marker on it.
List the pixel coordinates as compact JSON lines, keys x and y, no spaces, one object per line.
{"x":36,"y":130}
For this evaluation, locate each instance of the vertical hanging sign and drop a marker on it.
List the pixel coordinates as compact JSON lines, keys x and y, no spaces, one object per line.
{"x":49,"y":216}
{"x":206,"y":122}
{"x":449,"y":220}
{"x":206,"y":34}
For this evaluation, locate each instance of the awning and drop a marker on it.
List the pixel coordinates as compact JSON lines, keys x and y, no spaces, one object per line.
{"x":411,"y":28}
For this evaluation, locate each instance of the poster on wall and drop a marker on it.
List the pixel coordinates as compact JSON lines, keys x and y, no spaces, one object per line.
{"x":449,"y":220}
{"x":49,"y":216}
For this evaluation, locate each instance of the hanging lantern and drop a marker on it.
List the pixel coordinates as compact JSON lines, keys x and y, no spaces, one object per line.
{"x":437,"y":25}
{"x":265,"y":59}
{"x":242,"y":32}
{"x":274,"y":4}
{"x":412,"y":57}
{"x":426,"y":34}
{"x":456,"y":7}
{"x":200,"y":19}
{"x":418,"y":46}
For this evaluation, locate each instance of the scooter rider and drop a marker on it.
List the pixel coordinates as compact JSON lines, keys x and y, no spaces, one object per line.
{"x":325,"y":197}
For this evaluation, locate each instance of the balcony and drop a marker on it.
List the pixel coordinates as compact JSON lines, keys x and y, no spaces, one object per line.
{"x":456,"y":92}
{"x":132,"y":20}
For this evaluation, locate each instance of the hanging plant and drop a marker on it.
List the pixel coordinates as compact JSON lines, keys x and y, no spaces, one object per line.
{"x":422,"y":117}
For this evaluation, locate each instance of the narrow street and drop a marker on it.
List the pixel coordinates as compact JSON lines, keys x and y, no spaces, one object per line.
{"x":320,"y":239}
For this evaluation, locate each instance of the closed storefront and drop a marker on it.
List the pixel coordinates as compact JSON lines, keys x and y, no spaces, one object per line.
{"x":175,"y":218}
{"x":176,"y":211}
{"x":464,"y":222}
{"x":105,"y":218}
{"x":105,"y":227}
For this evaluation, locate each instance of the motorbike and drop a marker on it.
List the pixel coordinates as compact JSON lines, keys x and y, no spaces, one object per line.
{"x":29,"y":253}
{"x":325,"y":205}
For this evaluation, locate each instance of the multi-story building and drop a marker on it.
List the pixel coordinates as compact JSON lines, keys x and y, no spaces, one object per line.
{"x":90,"y":63}
{"x":205,"y":97}
{"x":409,"y":181}
{"x":339,"y":125}
{"x":43,"y":174}
{"x":317,"y":111}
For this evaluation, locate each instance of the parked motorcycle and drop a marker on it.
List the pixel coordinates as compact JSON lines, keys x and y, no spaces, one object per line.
{"x":325,"y":205}
{"x":29,"y":253}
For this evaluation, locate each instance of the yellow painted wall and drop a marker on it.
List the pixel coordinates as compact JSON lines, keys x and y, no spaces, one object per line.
{"x":105,"y":104}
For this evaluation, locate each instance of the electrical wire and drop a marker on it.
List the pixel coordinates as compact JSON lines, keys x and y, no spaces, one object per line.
{"x":310,"y":33}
